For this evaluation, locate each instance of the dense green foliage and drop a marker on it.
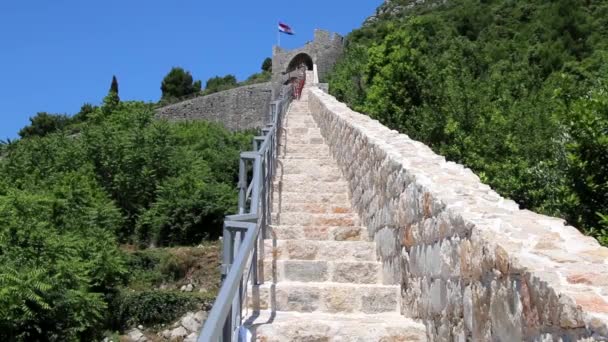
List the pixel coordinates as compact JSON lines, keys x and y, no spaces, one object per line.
{"x":44,"y":123}
{"x":70,"y":193}
{"x":260,"y":77}
{"x":516,"y":90}
{"x":218,"y":83}
{"x":144,"y":302}
{"x":150,"y":307}
{"x":267,"y":64}
{"x":178,"y":84}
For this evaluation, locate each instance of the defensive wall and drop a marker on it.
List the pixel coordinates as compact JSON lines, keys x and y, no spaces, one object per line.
{"x":237,"y":109}
{"x":247,"y":107}
{"x":471,"y":264}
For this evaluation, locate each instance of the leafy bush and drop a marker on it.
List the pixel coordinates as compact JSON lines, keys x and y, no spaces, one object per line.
{"x":67,"y":200}
{"x":173,"y":267}
{"x":58,"y":259}
{"x":217,"y":83}
{"x":153,"y":306}
{"x":260,"y":77}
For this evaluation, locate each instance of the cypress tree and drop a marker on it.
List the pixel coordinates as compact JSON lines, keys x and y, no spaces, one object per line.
{"x":114,"y":85}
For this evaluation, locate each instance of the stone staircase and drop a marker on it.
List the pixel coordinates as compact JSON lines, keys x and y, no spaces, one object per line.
{"x":322,"y":279}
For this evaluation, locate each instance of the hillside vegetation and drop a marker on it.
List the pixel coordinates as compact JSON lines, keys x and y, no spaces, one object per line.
{"x":178,"y":85}
{"x":515,"y":90}
{"x":81,"y":200}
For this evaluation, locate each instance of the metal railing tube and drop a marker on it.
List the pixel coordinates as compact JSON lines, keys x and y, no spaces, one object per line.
{"x":232,"y":282}
{"x":242,"y":185}
{"x":250,"y":225}
{"x":255,"y":196}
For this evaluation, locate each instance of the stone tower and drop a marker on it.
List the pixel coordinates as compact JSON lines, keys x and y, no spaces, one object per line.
{"x":322,"y":53}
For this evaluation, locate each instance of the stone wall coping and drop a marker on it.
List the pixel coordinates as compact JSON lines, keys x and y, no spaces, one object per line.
{"x":540,"y":248}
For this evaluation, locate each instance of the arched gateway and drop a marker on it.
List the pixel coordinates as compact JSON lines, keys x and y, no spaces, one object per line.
{"x":320,"y":54}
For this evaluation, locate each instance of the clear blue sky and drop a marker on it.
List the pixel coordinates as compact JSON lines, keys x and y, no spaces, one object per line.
{"x":56,"y":55}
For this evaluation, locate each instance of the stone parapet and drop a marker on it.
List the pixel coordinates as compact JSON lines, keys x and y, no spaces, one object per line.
{"x":237,"y":109}
{"x":470,"y":263}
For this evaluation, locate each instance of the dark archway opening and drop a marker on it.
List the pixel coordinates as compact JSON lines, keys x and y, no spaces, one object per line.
{"x":301,"y":58}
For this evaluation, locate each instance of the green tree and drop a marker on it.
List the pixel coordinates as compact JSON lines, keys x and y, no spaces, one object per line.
{"x":217,"y":83}
{"x":178,"y":83}
{"x":44,"y":123}
{"x":114,"y":85}
{"x":85,"y":112}
{"x":509,"y":89}
{"x":59,"y":259}
{"x":587,"y":155}
{"x":267,"y":65}
{"x":67,"y":200}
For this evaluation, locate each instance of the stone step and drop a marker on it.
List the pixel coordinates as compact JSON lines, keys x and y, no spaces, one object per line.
{"x":313,"y":219}
{"x":303,"y":148}
{"x":292,"y":155}
{"x":283,"y":326}
{"x":300,"y":116}
{"x":319,"y":233}
{"x":300,"y":122}
{"x":327,"y":250}
{"x":312,"y":159}
{"x":299,"y":167}
{"x":300,"y":108}
{"x":330,"y":177}
{"x":307,"y":165}
{"x":325,"y":297}
{"x":313,"y":171}
{"x":355,"y":272}
{"x":301,"y":131}
{"x":312,"y":208}
{"x":339,"y":199}
{"x":307,"y":139}
{"x":283,"y":185}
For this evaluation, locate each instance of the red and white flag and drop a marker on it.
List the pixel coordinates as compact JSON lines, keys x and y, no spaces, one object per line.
{"x":284,"y":28}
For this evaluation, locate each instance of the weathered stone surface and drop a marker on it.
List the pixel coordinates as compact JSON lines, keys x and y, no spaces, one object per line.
{"x":306,"y":271}
{"x":471,"y":264}
{"x":179,"y":332}
{"x":191,"y":338}
{"x":355,"y":272}
{"x":135,"y":335}
{"x":237,"y":109}
{"x":287,"y":326}
{"x":324,"y":50}
{"x":190,"y":322}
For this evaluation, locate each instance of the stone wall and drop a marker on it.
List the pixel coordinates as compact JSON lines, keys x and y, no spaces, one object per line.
{"x":238,"y":109}
{"x":471,"y":264}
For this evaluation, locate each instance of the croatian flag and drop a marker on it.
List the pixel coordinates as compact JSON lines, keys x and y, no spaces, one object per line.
{"x":285,"y":29}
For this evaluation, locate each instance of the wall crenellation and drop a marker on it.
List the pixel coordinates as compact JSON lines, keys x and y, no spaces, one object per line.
{"x":470,"y":263}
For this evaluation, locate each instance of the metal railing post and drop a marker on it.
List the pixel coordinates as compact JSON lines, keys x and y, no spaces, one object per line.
{"x":242,"y":185}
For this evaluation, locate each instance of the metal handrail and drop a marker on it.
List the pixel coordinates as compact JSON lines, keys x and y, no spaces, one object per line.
{"x":242,"y":242}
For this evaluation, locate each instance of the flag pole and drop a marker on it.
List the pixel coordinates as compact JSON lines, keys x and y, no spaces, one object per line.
{"x":278,"y":38}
